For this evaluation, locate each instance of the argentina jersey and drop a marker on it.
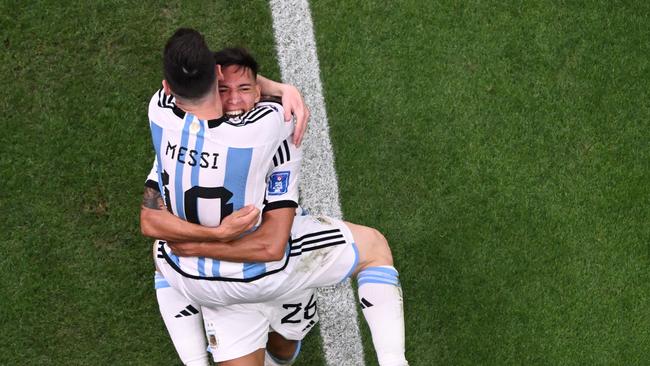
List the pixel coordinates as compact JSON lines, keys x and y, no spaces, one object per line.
{"x":207,"y":169}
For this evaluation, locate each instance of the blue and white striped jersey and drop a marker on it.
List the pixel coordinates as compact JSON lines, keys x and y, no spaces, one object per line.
{"x":206,"y":169}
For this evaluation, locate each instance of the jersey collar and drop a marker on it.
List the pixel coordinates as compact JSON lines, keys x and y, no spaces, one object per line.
{"x":212,"y":123}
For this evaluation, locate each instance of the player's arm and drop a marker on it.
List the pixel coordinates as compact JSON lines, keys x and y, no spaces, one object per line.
{"x":267,"y":243}
{"x":157,"y":222}
{"x":292,"y":102}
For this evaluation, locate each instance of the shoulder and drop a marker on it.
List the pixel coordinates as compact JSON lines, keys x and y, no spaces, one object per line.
{"x":262,"y":113}
{"x":162,"y":104}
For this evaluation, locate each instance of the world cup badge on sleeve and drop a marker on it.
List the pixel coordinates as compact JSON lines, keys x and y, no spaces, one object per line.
{"x":278,"y":183}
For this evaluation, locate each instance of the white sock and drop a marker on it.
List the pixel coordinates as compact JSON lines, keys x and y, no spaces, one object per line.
{"x":270,"y":360}
{"x":184,"y":323}
{"x":380,"y":295}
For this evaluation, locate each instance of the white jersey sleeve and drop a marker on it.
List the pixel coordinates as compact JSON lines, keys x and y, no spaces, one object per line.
{"x":282,"y":184}
{"x":152,"y":178}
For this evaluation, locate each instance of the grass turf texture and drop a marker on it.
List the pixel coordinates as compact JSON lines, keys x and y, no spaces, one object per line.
{"x":502,"y":149}
{"x":75,"y":151}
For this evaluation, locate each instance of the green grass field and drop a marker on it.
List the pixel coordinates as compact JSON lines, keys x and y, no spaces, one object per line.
{"x":501,"y":147}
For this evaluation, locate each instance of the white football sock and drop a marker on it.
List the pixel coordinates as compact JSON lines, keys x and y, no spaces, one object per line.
{"x":184,"y":323}
{"x":380,"y":295}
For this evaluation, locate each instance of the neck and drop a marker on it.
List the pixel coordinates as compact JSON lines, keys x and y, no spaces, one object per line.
{"x":204,"y":112}
{"x":208,"y":109}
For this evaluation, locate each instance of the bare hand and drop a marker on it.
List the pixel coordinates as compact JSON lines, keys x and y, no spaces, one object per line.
{"x":238,"y":223}
{"x":294,"y":104}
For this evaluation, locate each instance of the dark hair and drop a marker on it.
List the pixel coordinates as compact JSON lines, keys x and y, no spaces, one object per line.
{"x":236,"y":56}
{"x":188,"y":64}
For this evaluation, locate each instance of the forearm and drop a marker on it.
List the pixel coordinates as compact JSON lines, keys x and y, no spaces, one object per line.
{"x":161,"y":224}
{"x":236,"y":251}
{"x":293,"y":104}
{"x":158,"y":223}
{"x":270,"y":87}
{"x":267,"y":243}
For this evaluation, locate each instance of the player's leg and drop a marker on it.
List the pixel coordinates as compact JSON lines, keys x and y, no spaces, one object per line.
{"x":255,"y":358}
{"x":291,"y":318}
{"x":183,"y":320}
{"x":237,"y":334}
{"x":380,"y":294}
{"x":184,"y":323}
{"x":281,"y":351}
{"x":328,"y":250}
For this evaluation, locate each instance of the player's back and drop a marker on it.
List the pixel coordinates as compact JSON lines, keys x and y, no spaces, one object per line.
{"x":206,"y":169}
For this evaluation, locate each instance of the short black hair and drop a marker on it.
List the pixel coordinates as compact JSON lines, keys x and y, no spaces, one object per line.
{"x":188,"y":64}
{"x":236,"y":56}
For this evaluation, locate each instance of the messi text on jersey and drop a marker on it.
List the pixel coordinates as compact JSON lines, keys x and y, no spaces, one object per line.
{"x":192,"y":157}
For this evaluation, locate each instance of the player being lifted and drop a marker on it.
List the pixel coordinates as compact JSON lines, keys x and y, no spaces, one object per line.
{"x":321,"y":251}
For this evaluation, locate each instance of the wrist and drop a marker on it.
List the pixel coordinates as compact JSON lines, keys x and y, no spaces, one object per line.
{"x":217,"y":233}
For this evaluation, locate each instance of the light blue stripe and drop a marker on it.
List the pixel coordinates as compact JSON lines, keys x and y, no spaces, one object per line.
{"x":380,"y":270}
{"x":199,"y":148}
{"x":377,"y":275}
{"x":178,"y":175}
{"x":356,"y":261}
{"x":378,"y":278}
{"x":254,"y":269}
{"x":160,"y":281}
{"x":196,"y":169}
{"x":156,"y":138}
{"x":237,"y":164}
{"x":161,"y":284}
{"x":201,"y":266}
{"x":215,"y":267}
{"x":383,"y":275}
{"x":363,"y":281}
{"x":174,"y":259}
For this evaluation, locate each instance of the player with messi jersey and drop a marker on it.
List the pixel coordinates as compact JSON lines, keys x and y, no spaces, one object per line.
{"x":191,"y":147}
{"x":321,"y":251}
{"x":194,"y":148}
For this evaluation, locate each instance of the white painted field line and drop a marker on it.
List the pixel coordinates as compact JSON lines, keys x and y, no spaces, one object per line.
{"x":296,"y":47}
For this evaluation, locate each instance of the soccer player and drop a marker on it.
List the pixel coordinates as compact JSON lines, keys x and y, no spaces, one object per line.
{"x":183,"y":319}
{"x":321,"y":251}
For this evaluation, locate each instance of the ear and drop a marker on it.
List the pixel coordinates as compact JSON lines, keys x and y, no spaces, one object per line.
{"x":166,"y":88}
{"x":258,"y":93}
{"x":217,"y":71}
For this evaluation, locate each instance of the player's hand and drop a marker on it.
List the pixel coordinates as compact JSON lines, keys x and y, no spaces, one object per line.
{"x":293,"y":103}
{"x":238,"y":223}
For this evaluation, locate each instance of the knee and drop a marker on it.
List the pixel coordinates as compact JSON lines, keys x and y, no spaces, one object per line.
{"x":280,"y":347}
{"x":381,"y":248}
{"x":373,"y":247}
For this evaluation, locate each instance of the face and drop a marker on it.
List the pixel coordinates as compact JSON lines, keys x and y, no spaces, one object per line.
{"x":238,"y":90}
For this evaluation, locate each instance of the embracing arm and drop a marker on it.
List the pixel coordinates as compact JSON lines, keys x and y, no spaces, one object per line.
{"x":157,"y":222}
{"x":267,"y":243}
{"x":292,"y":102}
